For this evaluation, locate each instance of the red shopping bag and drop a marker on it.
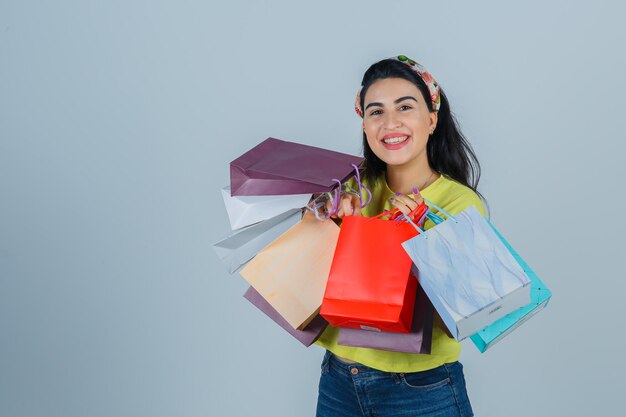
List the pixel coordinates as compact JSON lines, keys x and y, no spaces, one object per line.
{"x":370,"y":285}
{"x":418,"y":341}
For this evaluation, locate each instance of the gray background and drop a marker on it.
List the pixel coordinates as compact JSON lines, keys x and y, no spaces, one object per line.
{"x":117,"y":123}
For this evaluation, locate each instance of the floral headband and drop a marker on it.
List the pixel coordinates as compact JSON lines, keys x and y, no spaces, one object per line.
{"x":433,"y":87}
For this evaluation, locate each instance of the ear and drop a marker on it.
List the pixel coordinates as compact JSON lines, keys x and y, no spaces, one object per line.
{"x":434,"y":116}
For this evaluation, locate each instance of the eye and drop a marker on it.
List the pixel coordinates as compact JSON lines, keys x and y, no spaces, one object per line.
{"x":405,"y":106}
{"x":375,"y":112}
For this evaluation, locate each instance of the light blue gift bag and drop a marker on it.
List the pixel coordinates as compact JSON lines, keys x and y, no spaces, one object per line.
{"x":467,"y":272}
{"x":539,"y":297}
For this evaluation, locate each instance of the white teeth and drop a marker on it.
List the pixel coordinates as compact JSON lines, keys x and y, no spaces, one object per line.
{"x":392,"y":141}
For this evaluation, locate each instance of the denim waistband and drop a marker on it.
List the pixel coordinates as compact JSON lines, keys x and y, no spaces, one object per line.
{"x":336,"y":362}
{"x":331,"y":360}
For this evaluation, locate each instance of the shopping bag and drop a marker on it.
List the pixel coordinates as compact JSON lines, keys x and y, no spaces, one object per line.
{"x":417,"y":341}
{"x":243,"y":244}
{"x":370,"y":286}
{"x":291,"y":272}
{"x":539,"y":297}
{"x":246,"y":210}
{"x":467,"y":272}
{"x":306,"y":336}
{"x":277,"y":167}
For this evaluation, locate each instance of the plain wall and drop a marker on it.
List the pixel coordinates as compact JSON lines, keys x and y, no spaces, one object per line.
{"x":117,"y":123}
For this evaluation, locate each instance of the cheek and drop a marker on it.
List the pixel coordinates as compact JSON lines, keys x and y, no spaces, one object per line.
{"x":371,"y":131}
{"x":424,"y":123}
{"x":371,"y":142}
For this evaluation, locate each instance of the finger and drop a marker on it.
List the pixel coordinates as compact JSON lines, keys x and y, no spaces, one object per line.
{"x":346,"y":205}
{"x":397,"y":202}
{"x":356,"y":204}
{"x":401,"y":206}
{"x":340,"y":208}
{"x":349,"y":205}
{"x":329,"y":207}
{"x":410,"y":203}
{"x":417,"y":196}
{"x":353,"y":206}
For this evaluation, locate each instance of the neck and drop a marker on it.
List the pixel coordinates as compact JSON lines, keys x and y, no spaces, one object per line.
{"x":403,"y":178}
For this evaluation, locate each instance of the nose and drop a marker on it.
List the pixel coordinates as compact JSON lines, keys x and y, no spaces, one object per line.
{"x":391,"y":121}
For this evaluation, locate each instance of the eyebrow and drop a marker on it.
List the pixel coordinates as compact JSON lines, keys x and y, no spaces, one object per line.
{"x":395,"y":102}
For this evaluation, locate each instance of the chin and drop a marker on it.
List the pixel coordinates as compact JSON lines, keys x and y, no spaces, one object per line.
{"x":395,"y":160}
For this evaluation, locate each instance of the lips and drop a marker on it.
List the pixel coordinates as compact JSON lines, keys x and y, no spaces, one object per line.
{"x":395,"y":141}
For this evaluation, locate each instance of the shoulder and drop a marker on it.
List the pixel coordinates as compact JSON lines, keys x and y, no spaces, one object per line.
{"x":453,"y":196}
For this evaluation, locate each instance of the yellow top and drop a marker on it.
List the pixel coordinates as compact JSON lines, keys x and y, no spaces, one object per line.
{"x":453,"y":197}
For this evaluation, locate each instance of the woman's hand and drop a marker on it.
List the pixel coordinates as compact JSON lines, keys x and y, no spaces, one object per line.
{"x":405,"y":203}
{"x":349,"y":205}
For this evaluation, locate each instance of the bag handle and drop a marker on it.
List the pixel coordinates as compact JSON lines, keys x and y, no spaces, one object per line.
{"x":334,"y":201}
{"x":390,"y":212}
{"x":419,"y":229}
{"x":338,"y":191}
{"x":448,"y":215}
{"x":433,"y":217}
{"x":414,"y":213}
{"x":334,"y":196}
{"x":362,"y":187}
{"x":396,"y":215}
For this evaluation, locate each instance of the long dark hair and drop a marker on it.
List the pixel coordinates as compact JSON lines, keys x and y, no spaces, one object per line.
{"x":448,"y":151}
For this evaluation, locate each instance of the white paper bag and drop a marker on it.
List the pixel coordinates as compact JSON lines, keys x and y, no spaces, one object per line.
{"x":242,"y":245}
{"x":246,"y":210}
{"x":468,"y":273}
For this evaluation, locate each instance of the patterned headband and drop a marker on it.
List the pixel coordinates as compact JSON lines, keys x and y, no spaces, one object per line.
{"x":433,"y":87}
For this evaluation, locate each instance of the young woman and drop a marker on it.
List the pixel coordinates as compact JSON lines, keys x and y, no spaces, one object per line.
{"x":412,"y":147}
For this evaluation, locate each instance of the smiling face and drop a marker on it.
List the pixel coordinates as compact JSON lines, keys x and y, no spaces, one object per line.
{"x":397,"y":122}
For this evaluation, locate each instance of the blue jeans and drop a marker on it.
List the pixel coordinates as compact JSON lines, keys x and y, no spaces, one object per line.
{"x":358,"y":390}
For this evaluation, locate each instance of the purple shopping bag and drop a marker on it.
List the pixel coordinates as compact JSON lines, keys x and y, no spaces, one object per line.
{"x":307,"y":336}
{"x":418,"y":341}
{"x":278,"y":167}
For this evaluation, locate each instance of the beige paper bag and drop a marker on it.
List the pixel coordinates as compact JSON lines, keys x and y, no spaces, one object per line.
{"x":291,"y":272}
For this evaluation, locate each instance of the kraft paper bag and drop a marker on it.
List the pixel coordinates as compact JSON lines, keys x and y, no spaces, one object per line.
{"x":467,"y":272}
{"x":291,"y":272}
{"x":278,"y":167}
{"x":246,"y":210}
{"x":307,"y":336}
{"x":242,"y":245}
